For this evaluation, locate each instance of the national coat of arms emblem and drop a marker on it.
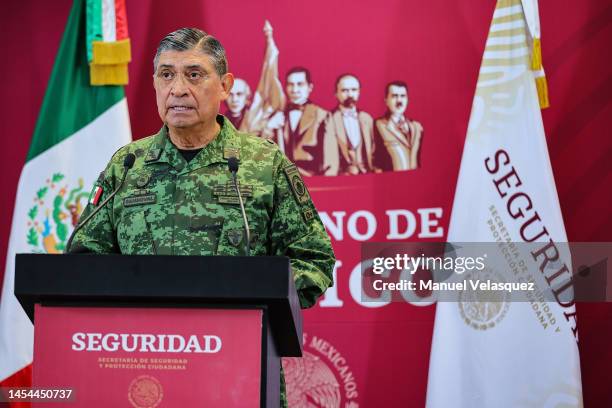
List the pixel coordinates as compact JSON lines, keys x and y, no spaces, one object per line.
{"x":54,"y":215}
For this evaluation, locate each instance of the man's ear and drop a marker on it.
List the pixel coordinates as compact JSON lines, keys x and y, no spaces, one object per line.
{"x":227,"y":82}
{"x":310,"y":86}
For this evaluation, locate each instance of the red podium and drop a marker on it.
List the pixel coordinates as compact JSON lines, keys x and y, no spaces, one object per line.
{"x":147,"y":331}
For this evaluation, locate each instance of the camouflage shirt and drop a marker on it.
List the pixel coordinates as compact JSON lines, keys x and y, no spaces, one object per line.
{"x":168,"y":206}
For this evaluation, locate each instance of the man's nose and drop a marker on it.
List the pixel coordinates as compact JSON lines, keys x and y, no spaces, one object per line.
{"x":179,"y":86}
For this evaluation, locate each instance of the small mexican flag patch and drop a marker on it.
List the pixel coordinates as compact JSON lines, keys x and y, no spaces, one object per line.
{"x":94,"y":198}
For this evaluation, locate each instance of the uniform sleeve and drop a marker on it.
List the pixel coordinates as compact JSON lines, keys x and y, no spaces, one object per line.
{"x":298,"y":233}
{"x":97,"y":235}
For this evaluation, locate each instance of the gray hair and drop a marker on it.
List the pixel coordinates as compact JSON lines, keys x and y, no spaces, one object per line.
{"x":185,"y":39}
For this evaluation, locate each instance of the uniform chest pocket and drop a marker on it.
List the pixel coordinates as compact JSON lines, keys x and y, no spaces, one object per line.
{"x":134,"y":233}
{"x":201,"y":237}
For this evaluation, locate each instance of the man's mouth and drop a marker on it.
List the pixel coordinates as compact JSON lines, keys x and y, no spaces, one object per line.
{"x":180,"y":108}
{"x":349,"y":102}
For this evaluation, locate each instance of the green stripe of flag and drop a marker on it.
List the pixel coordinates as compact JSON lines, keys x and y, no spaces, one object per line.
{"x":70,"y":102}
{"x":94,"y":25}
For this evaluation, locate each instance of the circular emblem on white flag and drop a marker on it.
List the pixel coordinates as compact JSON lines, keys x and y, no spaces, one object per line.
{"x":483,"y":309}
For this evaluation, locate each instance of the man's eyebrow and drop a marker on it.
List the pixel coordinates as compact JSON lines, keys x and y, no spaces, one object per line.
{"x":193,"y":66}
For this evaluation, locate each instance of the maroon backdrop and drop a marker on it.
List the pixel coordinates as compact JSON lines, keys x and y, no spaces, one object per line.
{"x":436,"y":47}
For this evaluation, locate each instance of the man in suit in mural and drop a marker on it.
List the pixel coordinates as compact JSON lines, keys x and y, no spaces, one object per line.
{"x":302,"y":133}
{"x":238,"y":102}
{"x":400,"y":136}
{"x":263,"y":115}
{"x":351,"y":131}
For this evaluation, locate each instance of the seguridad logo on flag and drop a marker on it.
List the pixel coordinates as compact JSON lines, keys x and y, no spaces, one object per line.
{"x":507,"y":354}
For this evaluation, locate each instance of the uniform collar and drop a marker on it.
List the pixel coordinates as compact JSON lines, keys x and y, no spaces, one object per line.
{"x":226,"y":144}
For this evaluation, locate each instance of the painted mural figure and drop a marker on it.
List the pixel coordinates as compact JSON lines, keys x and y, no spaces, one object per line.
{"x":262,"y":114}
{"x":400,"y":136}
{"x":319,"y":142}
{"x":351,"y":130}
{"x":238,"y":103}
{"x":303,"y":130}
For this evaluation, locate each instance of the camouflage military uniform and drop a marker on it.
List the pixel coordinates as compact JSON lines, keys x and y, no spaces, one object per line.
{"x":170,"y":207}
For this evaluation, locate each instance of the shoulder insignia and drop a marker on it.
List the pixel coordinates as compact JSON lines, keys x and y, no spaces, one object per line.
{"x":231,"y":152}
{"x":153,"y":155}
{"x":297,"y":184}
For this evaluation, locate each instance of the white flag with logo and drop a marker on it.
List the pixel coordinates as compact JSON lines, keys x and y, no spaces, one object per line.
{"x":512,"y":354}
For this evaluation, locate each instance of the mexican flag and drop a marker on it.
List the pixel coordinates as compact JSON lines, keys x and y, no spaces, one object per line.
{"x":79,"y":128}
{"x":492,"y":351}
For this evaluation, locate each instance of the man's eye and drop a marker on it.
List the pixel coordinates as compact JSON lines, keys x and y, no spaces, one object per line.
{"x":195,"y":75}
{"x":167,"y":75}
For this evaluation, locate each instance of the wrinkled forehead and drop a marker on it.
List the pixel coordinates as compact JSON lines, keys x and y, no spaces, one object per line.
{"x":397,"y":90}
{"x":348,"y":82}
{"x":180,"y":60}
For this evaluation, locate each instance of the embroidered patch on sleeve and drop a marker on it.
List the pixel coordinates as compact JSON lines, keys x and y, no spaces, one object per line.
{"x":297,"y":184}
{"x":308,"y":214}
{"x":94,"y":197}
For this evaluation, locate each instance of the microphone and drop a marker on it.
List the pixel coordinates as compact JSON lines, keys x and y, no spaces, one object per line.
{"x":128,"y":162}
{"x":232,"y":164}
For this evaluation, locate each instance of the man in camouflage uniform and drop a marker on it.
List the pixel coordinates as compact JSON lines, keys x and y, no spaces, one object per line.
{"x":178,"y":199}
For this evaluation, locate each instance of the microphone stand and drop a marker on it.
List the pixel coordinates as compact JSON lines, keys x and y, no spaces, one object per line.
{"x":233,"y":167}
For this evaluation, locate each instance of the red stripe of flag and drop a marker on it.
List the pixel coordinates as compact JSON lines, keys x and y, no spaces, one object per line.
{"x":121,"y":20}
{"x":22,"y":378}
